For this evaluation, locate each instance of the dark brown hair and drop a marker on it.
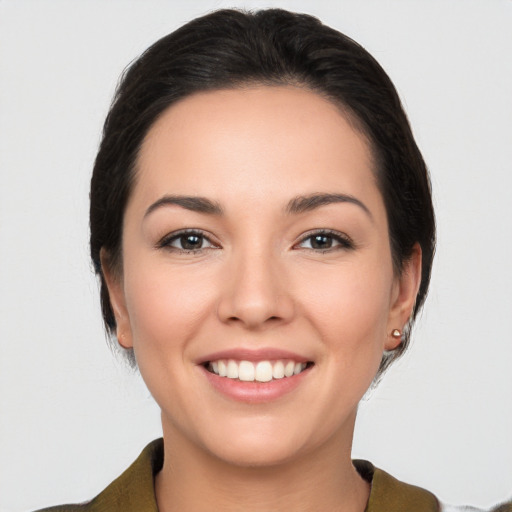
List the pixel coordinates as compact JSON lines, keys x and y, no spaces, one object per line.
{"x":232,"y":48}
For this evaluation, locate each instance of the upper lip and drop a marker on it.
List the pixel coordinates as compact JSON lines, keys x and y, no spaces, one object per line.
{"x":254,"y":355}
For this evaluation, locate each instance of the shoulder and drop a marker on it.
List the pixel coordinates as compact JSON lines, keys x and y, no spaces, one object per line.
{"x":133,"y":491}
{"x":388,"y":493}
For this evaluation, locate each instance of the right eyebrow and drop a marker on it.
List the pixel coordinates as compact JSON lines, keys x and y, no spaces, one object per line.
{"x":301,"y":204}
{"x":192,"y":203}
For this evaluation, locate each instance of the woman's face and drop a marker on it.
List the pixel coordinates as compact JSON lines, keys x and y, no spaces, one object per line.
{"x":256,"y":243}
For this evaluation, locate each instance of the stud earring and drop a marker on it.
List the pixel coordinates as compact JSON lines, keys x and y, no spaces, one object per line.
{"x":396,"y":333}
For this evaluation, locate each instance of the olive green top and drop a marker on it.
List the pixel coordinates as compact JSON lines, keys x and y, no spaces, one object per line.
{"x":134,"y":491}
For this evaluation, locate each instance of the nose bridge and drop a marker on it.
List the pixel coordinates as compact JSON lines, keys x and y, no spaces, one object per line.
{"x":255,"y":291}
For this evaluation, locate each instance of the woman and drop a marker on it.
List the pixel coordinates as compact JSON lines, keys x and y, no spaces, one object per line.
{"x":262,"y":226}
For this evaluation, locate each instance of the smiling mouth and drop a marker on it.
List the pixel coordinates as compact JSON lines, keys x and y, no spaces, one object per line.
{"x":262,"y":371}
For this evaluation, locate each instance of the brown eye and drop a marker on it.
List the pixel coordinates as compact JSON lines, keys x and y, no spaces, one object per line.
{"x":321,"y":242}
{"x":325,"y":241}
{"x":188,"y":241}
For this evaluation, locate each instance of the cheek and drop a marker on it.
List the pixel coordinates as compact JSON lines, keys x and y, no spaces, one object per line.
{"x":350,"y":307}
{"x":167,"y":309}
{"x":166,"y":306}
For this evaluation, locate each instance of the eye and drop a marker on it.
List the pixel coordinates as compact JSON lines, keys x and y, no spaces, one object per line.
{"x":188,"y":241}
{"x":326,"y":240}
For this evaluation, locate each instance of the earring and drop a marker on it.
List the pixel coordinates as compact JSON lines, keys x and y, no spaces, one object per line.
{"x":396,"y":333}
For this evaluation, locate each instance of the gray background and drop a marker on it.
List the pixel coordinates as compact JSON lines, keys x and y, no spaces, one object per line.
{"x":72,"y":418}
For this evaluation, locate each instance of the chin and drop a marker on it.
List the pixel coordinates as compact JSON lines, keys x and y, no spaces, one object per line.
{"x":258,"y":443}
{"x":257,"y":454}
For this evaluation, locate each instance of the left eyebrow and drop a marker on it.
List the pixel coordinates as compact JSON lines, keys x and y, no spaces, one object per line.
{"x":192,"y":203}
{"x":302,"y":204}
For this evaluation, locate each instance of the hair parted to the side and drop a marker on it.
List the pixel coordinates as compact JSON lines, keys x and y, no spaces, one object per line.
{"x":234,"y":48}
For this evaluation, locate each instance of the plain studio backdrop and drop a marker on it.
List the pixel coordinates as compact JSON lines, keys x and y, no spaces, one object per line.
{"x":72,"y":417}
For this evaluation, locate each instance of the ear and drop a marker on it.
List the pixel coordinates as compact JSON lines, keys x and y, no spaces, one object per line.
{"x":114,"y":283}
{"x":403,"y":298}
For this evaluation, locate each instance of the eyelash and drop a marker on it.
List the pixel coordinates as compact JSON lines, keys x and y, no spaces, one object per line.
{"x":165,"y":243}
{"x":344,"y":242}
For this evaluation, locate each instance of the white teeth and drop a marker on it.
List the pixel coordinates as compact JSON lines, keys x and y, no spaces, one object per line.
{"x":263,"y":371}
{"x":223,"y":371}
{"x":232,"y":369}
{"x":246,"y":371}
{"x":278,"y":370}
{"x":288,"y":369}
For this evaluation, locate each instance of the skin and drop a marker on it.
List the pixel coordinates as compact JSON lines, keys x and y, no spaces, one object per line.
{"x":259,"y":281}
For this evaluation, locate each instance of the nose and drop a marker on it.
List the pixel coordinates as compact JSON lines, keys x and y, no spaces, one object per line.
{"x":255,"y":292}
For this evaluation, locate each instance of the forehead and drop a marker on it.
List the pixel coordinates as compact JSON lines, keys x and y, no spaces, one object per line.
{"x":255,"y":142}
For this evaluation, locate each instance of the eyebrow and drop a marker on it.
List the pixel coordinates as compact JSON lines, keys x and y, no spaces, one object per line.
{"x":297,"y":205}
{"x":302,"y":204}
{"x":192,"y":203}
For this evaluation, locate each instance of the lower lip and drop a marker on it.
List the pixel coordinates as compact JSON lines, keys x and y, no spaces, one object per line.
{"x":255,"y":392}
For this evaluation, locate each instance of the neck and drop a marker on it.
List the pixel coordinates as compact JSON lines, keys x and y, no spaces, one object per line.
{"x":197,"y":481}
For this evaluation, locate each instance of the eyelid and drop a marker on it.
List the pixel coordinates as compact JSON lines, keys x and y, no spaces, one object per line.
{"x":165,"y":241}
{"x":345,"y":242}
